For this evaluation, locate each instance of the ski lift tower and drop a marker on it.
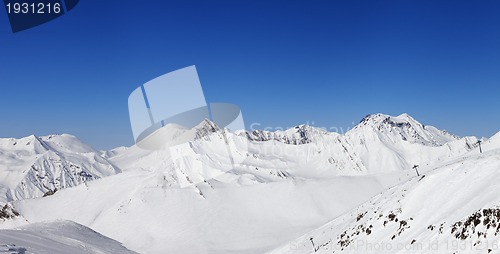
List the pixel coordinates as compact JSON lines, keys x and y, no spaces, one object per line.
{"x":479,"y":143}
{"x":416,"y":169}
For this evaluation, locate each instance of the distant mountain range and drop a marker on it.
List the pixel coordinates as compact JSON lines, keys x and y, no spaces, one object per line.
{"x":254,"y":191}
{"x":34,"y":166}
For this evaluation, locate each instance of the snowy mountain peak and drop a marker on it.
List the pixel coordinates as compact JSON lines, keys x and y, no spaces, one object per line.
{"x":39,"y":145}
{"x":298,"y":135}
{"x":172,"y":134}
{"x":66,"y":143}
{"x":404,"y":127}
{"x":30,"y":143}
{"x":33,"y":166}
{"x":378,"y":119}
{"x":206,"y":127}
{"x":420,"y":211}
{"x":387,"y":128}
{"x":191,"y":197}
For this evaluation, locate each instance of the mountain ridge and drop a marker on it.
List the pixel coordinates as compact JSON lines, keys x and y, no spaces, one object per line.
{"x":191,"y":198}
{"x":32,"y":166}
{"x":452,"y":207}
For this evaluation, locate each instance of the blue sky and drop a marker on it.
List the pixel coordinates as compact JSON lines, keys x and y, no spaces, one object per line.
{"x":283,"y":62}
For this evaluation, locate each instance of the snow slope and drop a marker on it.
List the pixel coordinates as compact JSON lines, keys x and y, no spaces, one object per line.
{"x":248,"y":192}
{"x":453,"y":208}
{"x":141,"y":210}
{"x":33,"y":166}
{"x":57,"y":237}
{"x":379,"y":144}
{"x":385,"y":143}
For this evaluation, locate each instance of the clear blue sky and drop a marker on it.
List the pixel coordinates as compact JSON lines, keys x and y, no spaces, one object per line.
{"x":283,"y":62}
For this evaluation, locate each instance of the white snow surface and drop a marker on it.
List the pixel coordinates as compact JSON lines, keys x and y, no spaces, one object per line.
{"x":32,"y":166}
{"x":454,"y":207}
{"x":59,"y":237}
{"x":274,"y":188}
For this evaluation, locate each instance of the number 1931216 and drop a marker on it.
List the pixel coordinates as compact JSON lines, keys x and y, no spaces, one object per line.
{"x":33,"y":8}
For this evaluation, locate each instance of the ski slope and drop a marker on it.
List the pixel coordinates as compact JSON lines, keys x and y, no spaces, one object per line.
{"x":60,"y":237}
{"x":273,"y":188}
{"x":453,"y":207}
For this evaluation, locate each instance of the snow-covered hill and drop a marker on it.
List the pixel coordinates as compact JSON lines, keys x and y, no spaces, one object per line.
{"x":379,"y":144}
{"x":298,"y":135}
{"x":241,"y":193}
{"x":385,"y":143}
{"x":36,"y":166}
{"x":60,"y":237}
{"x":404,"y":127}
{"x":453,"y":207}
{"x":142,"y":211}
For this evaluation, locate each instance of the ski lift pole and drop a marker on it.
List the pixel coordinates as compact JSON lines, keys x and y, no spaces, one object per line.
{"x":416,"y":169}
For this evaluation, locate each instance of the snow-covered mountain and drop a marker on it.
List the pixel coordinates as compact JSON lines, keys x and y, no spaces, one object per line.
{"x":404,"y":127}
{"x":247,"y":192}
{"x":385,"y":143}
{"x":298,"y":135}
{"x":379,"y":143}
{"x":454,"y":207}
{"x":57,"y":237}
{"x":173,"y":134}
{"x":36,"y":166}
